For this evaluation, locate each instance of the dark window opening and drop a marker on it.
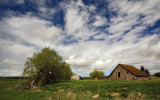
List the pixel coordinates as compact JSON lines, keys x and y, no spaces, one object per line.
{"x":118,"y":74}
{"x":127,"y":72}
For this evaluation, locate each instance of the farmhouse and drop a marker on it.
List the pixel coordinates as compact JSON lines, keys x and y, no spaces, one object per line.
{"x":127,"y":72}
{"x":75,"y":77}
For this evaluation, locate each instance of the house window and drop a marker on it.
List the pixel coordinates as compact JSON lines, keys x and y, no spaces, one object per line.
{"x":118,"y":74}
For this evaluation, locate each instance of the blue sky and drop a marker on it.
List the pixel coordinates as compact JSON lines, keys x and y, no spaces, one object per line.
{"x":88,"y":34}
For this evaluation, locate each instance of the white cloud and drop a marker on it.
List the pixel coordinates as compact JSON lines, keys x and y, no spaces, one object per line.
{"x":12,"y":2}
{"x":45,"y":12}
{"x":74,"y":21}
{"x":10,"y":72}
{"x":99,"y":21}
{"x":10,"y":67}
{"x":101,"y":36}
{"x":101,"y":64}
{"x":132,"y":13}
{"x":77,"y":17}
{"x":80,"y":61}
{"x":31,"y":29}
{"x":9,"y":62}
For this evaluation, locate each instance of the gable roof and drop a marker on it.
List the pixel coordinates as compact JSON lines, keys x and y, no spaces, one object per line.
{"x":132,"y":70}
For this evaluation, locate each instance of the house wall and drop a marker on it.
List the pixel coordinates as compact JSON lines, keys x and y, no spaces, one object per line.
{"x":75,"y":77}
{"x":143,"y":78}
{"x":124,"y":75}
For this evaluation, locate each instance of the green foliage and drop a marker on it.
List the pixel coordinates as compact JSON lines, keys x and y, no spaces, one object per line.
{"x":145,"y":70}
{"x":157,"y":74}
{"x":142,"y":68}
{"x":46,"y":67}
{"x":96,"y":73}
{"x":86,"y":78}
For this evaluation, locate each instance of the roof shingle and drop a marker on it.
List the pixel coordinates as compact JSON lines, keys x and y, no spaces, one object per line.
{"x":134,"y":70}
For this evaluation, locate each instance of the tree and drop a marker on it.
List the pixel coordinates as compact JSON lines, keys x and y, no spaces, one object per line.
{"x":157,"y":74}
{"x":145,"y":70}
{"x":96,"y":73}
{"x":46,"y":67}
{"x":142,"y":68}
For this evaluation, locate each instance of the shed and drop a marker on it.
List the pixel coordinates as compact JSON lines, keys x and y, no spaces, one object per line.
{"x":127,"y":72}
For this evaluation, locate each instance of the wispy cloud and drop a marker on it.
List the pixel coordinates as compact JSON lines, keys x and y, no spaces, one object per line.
{"x":11,"y":2}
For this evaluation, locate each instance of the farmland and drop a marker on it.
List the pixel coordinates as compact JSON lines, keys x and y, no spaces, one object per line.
{"x":16,"y":89}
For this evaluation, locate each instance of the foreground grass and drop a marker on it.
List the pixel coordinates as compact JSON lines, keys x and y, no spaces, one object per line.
{"x":82,"y":90}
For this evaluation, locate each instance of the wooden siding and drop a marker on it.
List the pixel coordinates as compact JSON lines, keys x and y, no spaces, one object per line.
{"x":123,"y":74}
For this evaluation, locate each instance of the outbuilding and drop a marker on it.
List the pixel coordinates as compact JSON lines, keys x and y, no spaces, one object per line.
{"x":127,"y":72}
{"x":75,"y":77}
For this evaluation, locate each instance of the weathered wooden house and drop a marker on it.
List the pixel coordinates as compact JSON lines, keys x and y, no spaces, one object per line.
{"x":127,"y":72}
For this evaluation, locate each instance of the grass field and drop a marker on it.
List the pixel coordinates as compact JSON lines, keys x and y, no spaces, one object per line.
{"x":14,"y":89}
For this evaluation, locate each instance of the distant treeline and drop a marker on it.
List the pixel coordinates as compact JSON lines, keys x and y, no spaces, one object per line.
{"x":11,"y":77}
{"x":87,"y":78}
{"x":104,"y":77}
{"x":157,"y":74}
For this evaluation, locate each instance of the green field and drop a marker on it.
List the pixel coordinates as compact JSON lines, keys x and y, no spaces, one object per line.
{"x":15,"y":89}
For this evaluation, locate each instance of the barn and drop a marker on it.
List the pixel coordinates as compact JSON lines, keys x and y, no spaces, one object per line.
{"x":127,"y":72}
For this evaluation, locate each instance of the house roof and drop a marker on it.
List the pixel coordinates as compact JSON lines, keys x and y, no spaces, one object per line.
{"x":134,"y":70}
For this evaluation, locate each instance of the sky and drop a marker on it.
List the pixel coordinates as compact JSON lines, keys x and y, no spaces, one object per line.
{"x":88,"y":34}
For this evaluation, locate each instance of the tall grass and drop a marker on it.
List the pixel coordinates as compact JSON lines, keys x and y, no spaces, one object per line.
{"x":81,"y":90}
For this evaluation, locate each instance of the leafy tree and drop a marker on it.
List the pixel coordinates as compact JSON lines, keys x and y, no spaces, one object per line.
{"x":46,"y":67}
{"x":142,"y":68}
{"x":145,"y":70}
{"x":96,"y":73}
